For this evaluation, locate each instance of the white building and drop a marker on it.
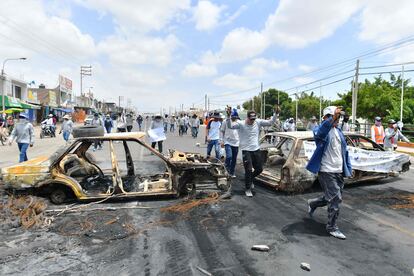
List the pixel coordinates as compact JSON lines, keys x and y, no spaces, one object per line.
{"x":14,"y":87}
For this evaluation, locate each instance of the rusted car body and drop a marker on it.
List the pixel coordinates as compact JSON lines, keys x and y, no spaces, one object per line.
{"x":286,"y":155}
{"x":125,"y":167}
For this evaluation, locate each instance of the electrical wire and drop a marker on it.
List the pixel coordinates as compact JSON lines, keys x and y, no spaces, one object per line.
{"x":386,"y":65}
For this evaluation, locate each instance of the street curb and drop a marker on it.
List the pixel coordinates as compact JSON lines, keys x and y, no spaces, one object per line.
{"x":406,"y":152}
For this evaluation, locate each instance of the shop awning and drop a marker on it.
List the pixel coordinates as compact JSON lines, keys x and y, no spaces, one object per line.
{"x":65,"y":110}
{"x":14,"y":110}
{"x":10,"y":102}
{"x":29,"y":106}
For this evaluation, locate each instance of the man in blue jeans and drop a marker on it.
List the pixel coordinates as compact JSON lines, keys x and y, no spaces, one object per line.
{"x":213,"y":135}
{"x":331,"y":162}
{"x":23,"y":133}
{"x":230,"y":138}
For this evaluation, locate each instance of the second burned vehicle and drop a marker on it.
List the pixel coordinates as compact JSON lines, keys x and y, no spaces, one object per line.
{"x":125,"y":167}
{"x":286,"y":155}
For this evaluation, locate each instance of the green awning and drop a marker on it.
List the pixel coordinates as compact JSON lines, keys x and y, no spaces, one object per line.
{"x":29,"y":106}
{"x":10,"y":102}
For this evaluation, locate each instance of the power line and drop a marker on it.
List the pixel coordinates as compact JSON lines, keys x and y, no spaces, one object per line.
{"x":385,"y":72}
{"x":387,"y":65}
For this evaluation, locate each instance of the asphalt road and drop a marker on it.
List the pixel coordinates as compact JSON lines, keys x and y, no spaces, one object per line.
{"x":218,"y":236}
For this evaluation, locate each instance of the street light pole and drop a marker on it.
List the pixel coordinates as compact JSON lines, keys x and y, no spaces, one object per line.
{"x":402,"y":93}
{"x":3,"y":80}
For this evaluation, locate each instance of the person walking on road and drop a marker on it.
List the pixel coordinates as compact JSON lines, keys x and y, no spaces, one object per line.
{"x":377,"y":132}
{"x":213,"y":135}
{"x":96,"y":121}
{"x":166,"y":119}
{"x":312,"y":124}
{"x":230,"y":138}
{"x":392,"y":135}
{"x":67,"y":127}
{"x":129,"y":120}
{"x":108,"y":123}
{"x":195,"y":125}
{"x":249,"y":131}
{"x":172,"y":123}
{"x":181,"y":125}
{"x":139,"y":122}
{"x":289,"y":125}
{"x":331,"y":162}
{"x":23,"y":133}
{"x":157,"y":123}
{"x":121,"y":123}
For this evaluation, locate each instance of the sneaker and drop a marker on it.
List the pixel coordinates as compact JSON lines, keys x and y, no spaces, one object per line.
{"x":337,"y":234}
{"x":252,"y":186}
{"x":233,"y":176}
{"x":249,"y":193}
{"x":94,"y":149}
{"x":310,"y":209}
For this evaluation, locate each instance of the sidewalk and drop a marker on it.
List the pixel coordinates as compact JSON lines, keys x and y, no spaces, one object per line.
{"x":406,"y":150}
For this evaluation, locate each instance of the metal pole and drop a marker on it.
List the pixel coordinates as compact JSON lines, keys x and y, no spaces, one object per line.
{"x":205,"y":102}
{"x":320,"y":102}
{"x":278,"y":103}
{"x":296,"y":105}
{"x":261,"y":100}
{"x":402,"y":93}
{"x":355,"y":93}
{"x":264,"y":105}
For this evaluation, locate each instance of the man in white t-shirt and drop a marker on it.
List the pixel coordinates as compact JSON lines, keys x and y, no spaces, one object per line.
{"x":213,"y":135}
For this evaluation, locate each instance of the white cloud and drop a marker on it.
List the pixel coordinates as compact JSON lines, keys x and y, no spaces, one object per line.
{"x":139,"y":49}
{"x":258,"y":67}
{"x":140,"y":15}
{"x":233,"y":81}
{"x":241,"y":44}
{"x":199,"y":70}
{"x":207,"y":15}
{"x":384,"y":21}
{"x":305,"y":68}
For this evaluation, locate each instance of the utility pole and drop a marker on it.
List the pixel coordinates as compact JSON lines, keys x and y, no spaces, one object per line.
{"x":355,"y":87}
{"x":402,"y":93}
{"x":205,"y":103}
{"x":208,"y":104}
{"x":261,"y":101}
{"x":278,"y":102}
{"x":296,"y":107}
{"x":320,"y":102}
{"x":252,"y":104}
{"x":264,"y":105}
{"x":84,"y":71}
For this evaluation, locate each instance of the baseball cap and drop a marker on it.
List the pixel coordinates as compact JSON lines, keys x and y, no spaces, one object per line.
{"x":251,"y":115}
{"x":330,"y":110}
{"x":391,"y":121}
{"x":377,"y":118}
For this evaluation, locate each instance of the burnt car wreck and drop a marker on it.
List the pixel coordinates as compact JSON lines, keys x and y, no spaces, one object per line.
{"x":286,"y":155}
{"x":122,"y":166}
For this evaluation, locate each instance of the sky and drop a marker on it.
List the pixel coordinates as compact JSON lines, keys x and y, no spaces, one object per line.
{"x":165,"y":53}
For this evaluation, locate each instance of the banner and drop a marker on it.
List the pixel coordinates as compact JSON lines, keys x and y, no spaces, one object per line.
{"x":368,"y":160}
{"x":65,"y":84}
{"x":157,"y":134}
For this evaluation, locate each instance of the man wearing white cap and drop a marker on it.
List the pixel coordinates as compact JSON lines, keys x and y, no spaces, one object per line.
{"x":377,"y":132}
{"x":23,"y":133}
{"x":331,"y":162}
{"x":67,"y":127}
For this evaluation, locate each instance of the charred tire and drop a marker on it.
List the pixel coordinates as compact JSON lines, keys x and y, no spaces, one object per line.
{"x":88,"y":131}
{"x":58,"y":196}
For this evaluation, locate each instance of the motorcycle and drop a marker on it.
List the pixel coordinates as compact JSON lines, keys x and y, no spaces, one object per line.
{"x":47,"y":131}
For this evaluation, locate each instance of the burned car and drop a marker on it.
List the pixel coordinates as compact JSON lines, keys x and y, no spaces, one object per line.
{"x":286,"y":155}
{"x":122,"y":166}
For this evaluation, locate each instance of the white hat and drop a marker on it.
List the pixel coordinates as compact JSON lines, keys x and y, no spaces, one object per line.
{"x":66,"y":117}
{"x":329,"y":110}
{"x":50,"y":115}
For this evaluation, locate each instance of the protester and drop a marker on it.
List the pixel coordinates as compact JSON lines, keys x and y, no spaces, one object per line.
{"x":67,"y":127}
{"x":140,"y":119}
{"x":181,"y":125}
{"x":344,"y":124}
{"x":313,"y":123}
{"x":96,"y":121}
{"x":157,"y":123}
{"x":172,"y":123}
{"x":377,"y":132}
{"x":50,"y":122}
{"x":108,"y":123}
{"x":331,"y":162}
{"x":195,"y":125}
{"x":392,"y":135}
{"x":121,"y":123}
{"x":129,"y":120}
{"x":186,"y":123}
{"x":289,"y":125}
{"x":23,"y":133}
{"x":249,"y":131}
{"x":166,"y":119}
{"x":213,"y":135}
{"x":230,"y":138}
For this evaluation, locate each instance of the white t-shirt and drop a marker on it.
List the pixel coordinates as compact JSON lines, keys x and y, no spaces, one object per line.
{"x":332,"y":158}
{"x":214,"y":130}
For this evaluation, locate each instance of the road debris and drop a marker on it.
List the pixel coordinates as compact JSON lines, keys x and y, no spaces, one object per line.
{"x":25,"y":211}
{"x":205,"y":272}
{"x":305,"y":266}
{"x":187,"y":205}
{"x":260,"y":247}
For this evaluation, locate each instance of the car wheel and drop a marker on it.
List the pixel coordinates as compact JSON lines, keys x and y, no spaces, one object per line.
{"x":88,"y":131}
{"x":58,"y":196}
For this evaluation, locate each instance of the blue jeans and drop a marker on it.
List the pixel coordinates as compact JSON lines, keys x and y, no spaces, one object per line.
{"x":194,"y":132}
{"x":231,"y":158}
{"x":23,"y":149}
{"x":172,"y":127}
{"x":216,"y":145}
{"x":66,"y":135}
{"x":108,"y":129}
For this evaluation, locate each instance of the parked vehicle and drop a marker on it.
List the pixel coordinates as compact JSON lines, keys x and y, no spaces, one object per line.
{"x":88,"y":120}
{"x":125,"y":167}
{"x":286,"y":155}
{"x":47,"y":131}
